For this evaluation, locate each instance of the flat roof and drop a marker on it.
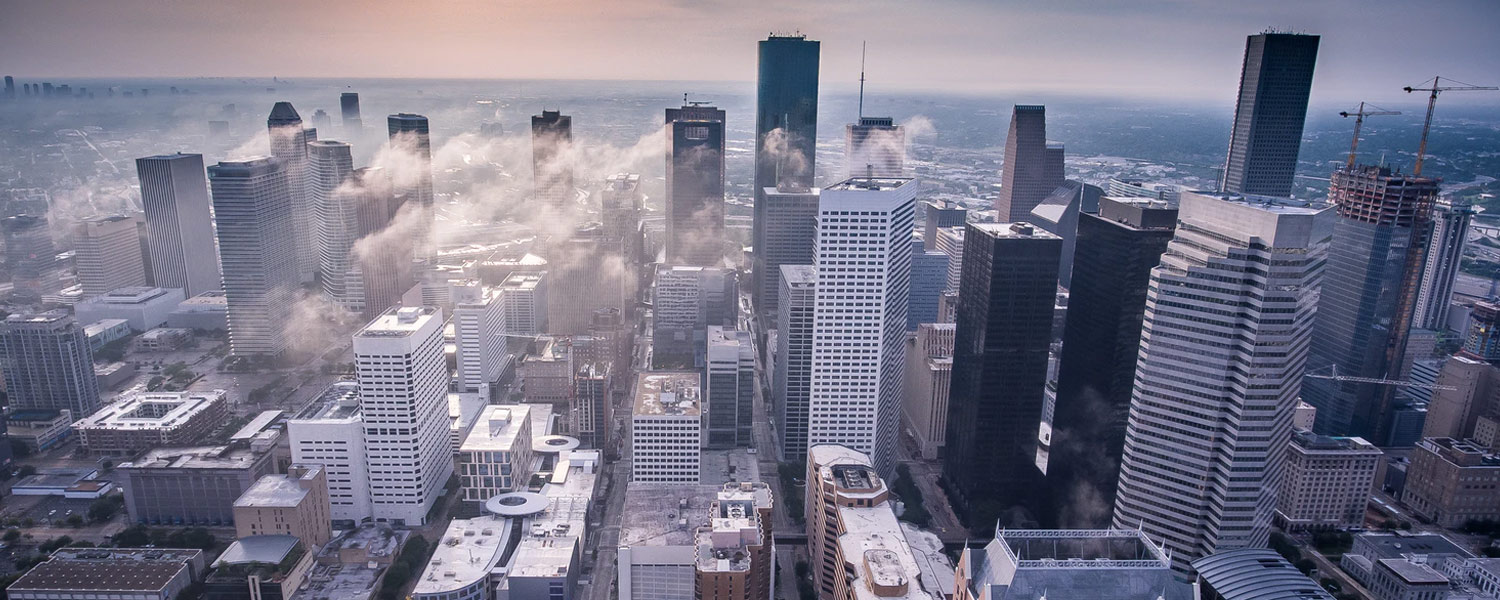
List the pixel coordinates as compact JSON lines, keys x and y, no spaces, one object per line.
{"x":278,"y":490}
{"x":659,"y":514}
{"x":337,"y":402}
{"x":1402,"y":544}
{"x":399,"y":322}
{"x":1414,"y":573}
{"x":108,"y":569}
{"x":668,"y":393}
{"x":201,"y":457}
{"x":1273,"y":204}
{"x":269,"y":549}
{"x":869,"y":184}
{"x":497,"y":428}
{"x":152,"y":411}
{"x":799,"y":274}
{"x":468,"y":551}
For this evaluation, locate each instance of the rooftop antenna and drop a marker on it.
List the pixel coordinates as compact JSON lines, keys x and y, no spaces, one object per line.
{"x":862,"y":80}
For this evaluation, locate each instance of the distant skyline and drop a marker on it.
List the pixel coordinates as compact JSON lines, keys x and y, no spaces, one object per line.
{"x":1181,"y":49}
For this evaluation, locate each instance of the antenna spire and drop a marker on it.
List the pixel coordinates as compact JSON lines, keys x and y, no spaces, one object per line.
{"x":862,"y":80}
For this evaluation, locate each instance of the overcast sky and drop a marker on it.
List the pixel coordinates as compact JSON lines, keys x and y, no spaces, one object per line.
{"x":1189,"y":49}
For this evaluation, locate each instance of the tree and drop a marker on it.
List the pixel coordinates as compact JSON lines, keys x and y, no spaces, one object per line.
{"x":104,"y":508}
{"x":53,"y":544}
{"x":134,"y":536}
{"x":74,"y":520}
{"x":154,"y":383}
{"x":26,"y":471}
{"x":11,"y":535}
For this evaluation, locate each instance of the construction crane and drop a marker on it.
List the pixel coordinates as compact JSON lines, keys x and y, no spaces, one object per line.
{"x":1433,"y":91}
{"x":1333,"y":374}
{"x":1359,"y":120}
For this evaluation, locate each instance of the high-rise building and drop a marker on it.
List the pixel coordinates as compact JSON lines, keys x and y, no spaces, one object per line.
{"x":1473,"y":391}
{"x":1442,"y":484}
{"x":1098,"y":564}
{"x":289,"y":146}
{"x":408,"y":133}
{"x":874,"y":147}
{"x":383,"y":267}
{"x":666,"y":427}
{"x":1058,"y":213}
{"x":403,"y":392}
{"x":1327,"y":482}
{"x":738,"y":545}
{"x":791,"y":224}
{"x":108,"y":254}
{"x":349,"y":111}
{"x":1115,"y":252}
{"x":1445,"y":251}
{"x":1211,"y":411}
{"x":1137,"y":188}
{"x":950,"y":241}
{"x":253,"y":209}
{"x":1000,"y":353}
{"x":48,"y":364}
{"x":929,"y":276}
{"x":793,"y":372}
{"x":30,"y":256}
{"x":180,"y":230}
{"x":729,"y":388}
{"x":1370,"y":289}
{"x":551,"y":158}
{"x":330,"y":171}
{"x":695,"y":185}
{"x":1275,"y":82}
{"x":929,"y":377}
{"x":591,"y":407}
{"x":525,"y":296}
{"x":10,"y":87}
{"x":685,"y":301}
{"x":786,"y":134}
{"x":478,"y":337}
{"x":1028,"y":174}
{"x":859,"y":320}
{"x":855,"y":544}
{"x":330,"y":432}
{"x":938,"y":214}
{"x":295,"y":503}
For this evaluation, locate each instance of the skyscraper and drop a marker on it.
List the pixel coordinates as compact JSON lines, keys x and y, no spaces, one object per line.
{"x":330,"y":172}
{"x":859,"y":321}
{"x":695,"y":185}
{"x":254,"y":212}
{"x":408,"y":132}
{"x":30,"y":256}
{"x":794,"y":341}
{"x":349,"y":110}
{"x":403,"y":391}
{"x":1274,"y":85}
{"x":875,"y":146}
{"x":478,"y":336}
{"x":1029,"y":173}
{"x":552,"y":171}
{"x":1211,"y":411}
{"x":929,"y":276}
{"x":786,"y":134}
{"x":48,"y":364}
{"x":1115,"y":252}
{"x":791,"y":225}
{"x":289,"y":146}
{"x":1445,"y":251}
{"x":1369,"y":292}
{"x":108,"y":254}
{"x":174,"y":195}
{"x":685,"y":302}
{"x":1004,"y":331}
{"x":729,"y":388}
{"x":938,"y":214}
{"x":384,"y":264}
{"x":1058,"y":213}
{"x":10,"y":87}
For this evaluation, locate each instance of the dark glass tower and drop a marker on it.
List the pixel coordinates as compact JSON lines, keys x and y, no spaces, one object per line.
{"x":1032,"y":170}
{"x":695,"y":185}
{"x":349,"y":110}
{"x":409,"y":132}
{"x":551,"y":133}
{"x":1112,"y":261}
{"x":786,"y":103}
{"x":1369,"y":295}
{"x":289,"y":145}
{"x":790,"y":219}
{"x":1274,"y":85}
{"x":1006,"y":299}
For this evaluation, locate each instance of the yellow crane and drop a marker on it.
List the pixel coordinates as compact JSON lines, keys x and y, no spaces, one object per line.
{"x":1359,"y":120}
{"x":1433,"y":90}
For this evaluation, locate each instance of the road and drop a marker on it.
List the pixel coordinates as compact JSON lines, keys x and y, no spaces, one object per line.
{"x":1326,"y":568}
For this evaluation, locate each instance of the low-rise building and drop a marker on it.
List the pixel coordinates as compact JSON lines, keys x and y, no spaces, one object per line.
{"x":190,"y":486}
{"x":145,"y":308}
{"x":658,"y":552}
{"x":1253,"y":574}
{"x":1326,"y":481}
{"x":463,"y":413}
{"x":152,"y":420}
{"x":857,"y":547}
{"x":495,"y":458}
{"x":294,"y":503}
{"x":1403,"y":566}
{"x":208,"y":311}
{"x":547,"y":374}
{"x":666,"y":428}
{"x":110,"y":375}
{"x":259,"y":567}
{"x":1098,"y":564}
{"x":1451,"y":482}
{"x":95,"y":573}
{"x":164,"y":339}
{"x":104,"y":331}
{"x":39,"y":428}
{"x":351,"y":566}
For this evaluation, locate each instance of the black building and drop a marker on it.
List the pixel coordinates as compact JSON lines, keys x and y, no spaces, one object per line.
{"x":349,"y":110}
{"x":1006,"y":296}
{"x":1112,"y":261}
{"x":695,"y":185}
{"x":1274,"y":85}
{"x":786,"y":102}
{"x":551,"y":134}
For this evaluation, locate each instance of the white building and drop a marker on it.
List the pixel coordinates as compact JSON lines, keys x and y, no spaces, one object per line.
{"x":1327,"y":482}
{"x":330,"y":165}
{"x":658,"y":539}
{"x":524,"y":295}
{"x":331,"y":432}
{"x":496,"y":456}
{"x":864,"y":271}
{"x":929,"y":370}
{"x":108,"y":254}
{"x":403,"y":385}
{"x":666,"y":428}
{"x":208,"y":311}
{"x":950,"y":241}
{"x":478,"y":336}
{"x":1215,"y":389}
{"x":144,"y":307}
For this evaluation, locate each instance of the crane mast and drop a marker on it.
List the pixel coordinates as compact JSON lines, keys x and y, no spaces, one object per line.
{"x":1433,"y":91}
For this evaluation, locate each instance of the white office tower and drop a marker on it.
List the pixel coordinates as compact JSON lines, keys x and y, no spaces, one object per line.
{"x":108,"y":254}
{"x":253,"y":210}
{"x":331,"y":432}
{"x":330,"y":166}
{"x":950,"y":241}
{"x":524,"y":294}
{"x":478,"y":336}
{"x":874,"y":147}
{"x":1445,"y":251}
{"x":859,"y":346}
{"x":730,"y":391}
{"x":1225,"y":338}
{"x":666,"y":427}
{"x":403,"y":394}
{"x":179,"y":225}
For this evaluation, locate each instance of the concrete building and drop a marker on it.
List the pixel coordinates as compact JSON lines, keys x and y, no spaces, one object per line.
{"x":289,"y":145}
{"x":736,"y":554}
{"x":1253,"y":574}
{"x":192,"y":485}
{"x":260,"y":566}
{"x":403,"y":383}
{"x":1327,"y":482}
{"x":1454,"y":413}
{"x":929,"y":276}
{"x":666,"y":428}
{"x":1176,"y":422}
{"x":39,"y":429}
{"x":330,"y":433}
{"x":143,"y":421}
{"x":547,"y":373}
{"x":331,"y":212}
{"x":793,"y":365}
{"x":1304,"y":416}
{"x":108,"y":254}
{"x":145,"y":308}
{"x":929,"y":373}
{"x":139,"y":573}
{"x":1139,"y":188}
{"x":729,"y":389}
{"x":208,"y":311}
{"x":1445,"y":251}
{"x":658,"y":552}
{"x":684,"y":302}
{"x":950,"y":241}
{"x":1031,"y":169}
{"x":551,"y":159}
{"x":495,"y":458}
{"x":30,"y":257}
{"x":257,"y":248}
{"x":524,"y":298}
{"x":856,"y":547}
{"x":1059,"y":213}
{"x":1451,"y":482}
{"x":940,"y":214}
{"x":1406,"y":566}
{"x":294,"y":504}
{"x":48,"y":364}
{"x":859,"y":348}
{"x":179,"y":225}
{"x":1099,"y":564}
{"x":695,"y":185}
{"x":592,"y":408}
{"x":874,"y":147}
{"x":104,"y":332}
{"x":480,"y":353}
{"x":1274,"y":86}
{"x":791,"y":215}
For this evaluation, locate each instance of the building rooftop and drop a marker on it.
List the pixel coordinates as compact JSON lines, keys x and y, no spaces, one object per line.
{"x":202,"y":457}
{"x":97,"y":569}
{"x":129,"y":295}
{"x":799,"y":275}
{"x":874,"y":535}
{"x":152,"y":410}
{"x":869,"y":184}
{"x":525,"y":280}
{"x":670,"y":393}
{"x":1273,"y":204}
{"x":1014,"y":231}
{"x":468,"y":551}
{"x":400,"y":322}
{"x":658,"y":514}
{"x":1400,"y":544}
{"x":266,"y":549}
{"x":1413,"y":573}
{"x":206,"y":299}
{"x":497,"y":428}
{"x":339,"y":401}
{"x":279,"y":490}
{"x":1257,"y":574}
{"x":1461,"y":452}
{"x":1310,"y":442}
{"x":51,"y":316}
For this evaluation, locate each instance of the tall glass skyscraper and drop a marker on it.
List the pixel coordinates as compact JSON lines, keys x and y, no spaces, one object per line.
{"x":786,"y":134}
{"x":1274,"y":85}
{"x":289,"y":145}
{"x":253,"y":208}
{"x":409,"y":132}
{"x":552,"y":175}
{"x":179,"y":228}
{"x":1445,"y":251}
{"x":695,"y":185}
